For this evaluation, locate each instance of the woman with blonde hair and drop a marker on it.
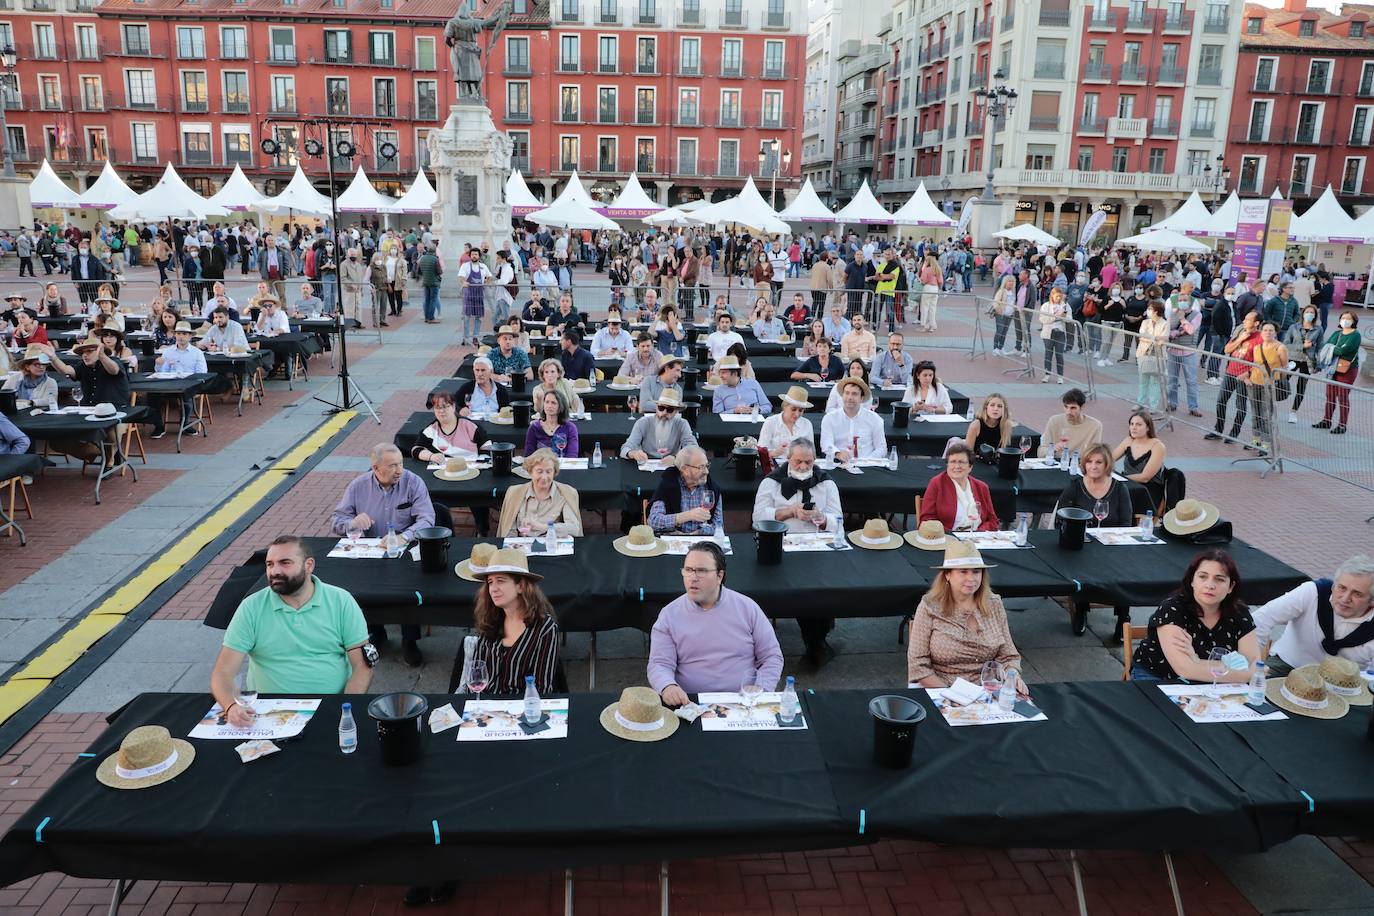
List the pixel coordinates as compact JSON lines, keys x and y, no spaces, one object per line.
{"x":932,"y":279}
{"x":530,"y":508}
{"x":552,"y":378}
{"x":991,"y":425}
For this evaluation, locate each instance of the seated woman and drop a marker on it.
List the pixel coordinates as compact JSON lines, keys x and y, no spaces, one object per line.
{"x":740,"y":352}
{"x":670,"y":338}
{"x":788,"y":423}
{"x":552,"y":378}
{"x":957,"y":500}
{"x":1098,"y":486}
{"x":448,"y":431}
{"x":113,"y":339}
{"x":529,"y":508}
{"x":756,"y":310}
{"x":960,"y":625}
{"x":1205,"y":613}
{"x":552,"y":429}
{"x":823,"y":367}
{"x":926,"y":393}
{"x":855,"y":368}
{"x":992,"y":425}
{"x":813,"y":337}
{"x":1142,"y":455}
{"x":163,"y":329}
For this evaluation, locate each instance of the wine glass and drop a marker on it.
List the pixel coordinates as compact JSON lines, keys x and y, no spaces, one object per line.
{"x":247,"y":694}
{"x":560,"y":444}
{"x":1024,"y":445}
{"x":749,"y":690}
{"x":77,"y":395}
{"x":1216,"y":664}
{"x":991,"y":678}
{"x":478,"y":678}
{"x":1099,"y":511}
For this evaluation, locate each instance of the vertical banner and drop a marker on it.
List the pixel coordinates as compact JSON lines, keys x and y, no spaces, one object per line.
{"x":1248,"y":253}
{"x":1276,"y":236}
{"x":1094,"y":223}
{"x":966,"y":214}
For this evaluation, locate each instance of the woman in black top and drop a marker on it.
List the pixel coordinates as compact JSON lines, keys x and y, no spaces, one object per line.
{"x":1205,"y":613}
{"x":1131,"y":320}
{"x":1097,"y":484}
{"x":823,"y":367}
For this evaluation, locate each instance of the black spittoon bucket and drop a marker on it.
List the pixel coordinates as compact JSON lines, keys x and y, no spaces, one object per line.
{"x":517,"y":381}
{"x":1073,"y":527}
{"x":746,"y":462}
{"x":690,"y":409}
{"x":895,"y":721}
{"x":703,"y":353}
{"x":520,"y":410}
{"x":434,"y":548}
{"x":1008,"y":463}
{"x":689,"y":378}
{"x":693,"y":332}
{"x":901,"y":415}
{"x":768,"y":533}
{"x":501,"y":455}
{"x":146,"y":344}
{"x":400,"y":720}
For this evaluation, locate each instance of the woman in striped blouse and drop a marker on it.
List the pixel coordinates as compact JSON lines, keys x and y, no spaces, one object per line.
{"x":514,"y":620}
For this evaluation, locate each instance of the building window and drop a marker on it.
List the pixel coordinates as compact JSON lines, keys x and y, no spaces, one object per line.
{"x":139,"y":89}
{"x":384,"y":98}
{"x":283,"y":45}
{"x":1259,"y":121}
{"x":190,"y":42}
{"x":1125,"y":106}
{"x":772,"y":60}
{"x":688,"y":107}
{"x":569,"y":54}
{"x":689,"y":60}
{"x":136,"y":39}
{"x":195,"y":146}
{"x":731,"y":57}
{"x":1352,"y":176}
{"x":610,"y":11}
{"x":1039,"y":156}
{"x":50,"y":93}
{"x":336,"y":95}
{"x":691,"y":12}
{"x":1309,"y":122}
{"x":1357,"y":29}
{"x":648,"y":12}
{"x":144,"y":138}
{"x":92,"y":99}
{"x":729,"y":108}
{"x":338,"y":46}
{"x":1197,"y":161}
{"x":44,"y":42}
{"x":87,"y":47}
{"x":687,"y":156}
{"x":1120,"y":157}
{"x":729,"y":159}
{"x":568,"y":151}
{"x":606,"y":154}
{"x":646,"y":158}
{"x":519,"y":150}
{"x":233,"y":42}
{"x":1156,"y":166}
{"x":97,"y":145}
{"x":1359,"y":126}
{"x":517,"y":55}
{"x":235,"y":91}
{"x":195,"y":92}
{"x":1318,"y":77}
{"x":1300,"y":184}
{"x":1085,"y":159}
{"x":380,"y":139}
{"x":424,"y":55}
{"x":569,"y":104}
{"x":1253,"y":24}
{"x":646,"y":55}
{"x":381,"y":48}
{"x":284,"y":94}
{"x":645,"y":106}
{"x":607,"y":105}
{"x":518,"y":100}
{"x":426,"y":100}
{"x":1307,"y":27}
{"x":772,"y":111}
{"x":1265,"y":69}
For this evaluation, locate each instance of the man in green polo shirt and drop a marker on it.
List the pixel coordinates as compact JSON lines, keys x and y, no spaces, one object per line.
{"x":300,"y":635}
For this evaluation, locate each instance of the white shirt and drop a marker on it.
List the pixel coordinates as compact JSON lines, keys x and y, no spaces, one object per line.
{"x":838,"y":431}
{"x":269,"y":325}
{"x":966,"y":516}
{"x":1301,"y":642}
{"x":719,"y":343}
{"x":835,"y":401}
{"x":769,"y":499}
{"x":189,"y":361}
{"x":775,"y":435}
{"x":779,"y":262}
{"x":213,"y":303}
{"x":473,"y":273}
{"x":938,"y":397}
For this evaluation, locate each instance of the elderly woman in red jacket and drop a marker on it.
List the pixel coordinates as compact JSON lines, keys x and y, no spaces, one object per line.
{"x":955,"y":499}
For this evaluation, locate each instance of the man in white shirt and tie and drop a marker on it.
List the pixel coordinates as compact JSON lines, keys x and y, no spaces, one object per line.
{"x":854,"y":431}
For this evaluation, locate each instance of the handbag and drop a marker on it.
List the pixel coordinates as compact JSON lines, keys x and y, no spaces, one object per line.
{"x":1282,"y":387}
{"x":1149,"y":365}
{"x":1342,"y":365}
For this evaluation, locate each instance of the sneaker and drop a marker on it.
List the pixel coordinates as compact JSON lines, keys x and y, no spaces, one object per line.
{"x":158,"y":435}
{"x":1324,"y":424}
{"x":1292,"y":417}
{"x":1044,"y":379}
{"x":1213,"y":436}
{"x":1214,"y":381}
{"x":1338,"y":430}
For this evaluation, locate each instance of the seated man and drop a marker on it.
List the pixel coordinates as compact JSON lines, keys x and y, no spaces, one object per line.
{"x":667,"y":378}
{"x":272,"y":321}
{"x":212,"y":300}
{"x":737,"y":394}
{"x":300,"y":636}
{"x":507,"y":359}
{"x":224,"y":334}
{"x":611,"y":340}
{"x":641,"y":362}
{"x":797,"y":313}
{"x":535,"y":309}
{"x":481,"y":396}
{"x":687,"y":500}
{"x":577,"y":362}
{"x":769,"y":328}
{"x":894,"y":365}
{"x":722,"y":338}
{"x":858,"y":342}
{"x":224,"y":302}
{"x":386,"y":498}
{"x":182,"y":359}
{"x":835,"y":324}
{"x":309,"y":305}
{"x":12,"y":438}
{"x":664,"y":433}
{"x":711,"y":637}
{"x":103,"y":377}
{"x":1323,"y":617}
{"x":1072,"y":429}
{"x":566,"y":317}
{"x":853,"y":431}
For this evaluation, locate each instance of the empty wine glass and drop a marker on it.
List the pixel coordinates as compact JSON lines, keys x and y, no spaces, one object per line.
{"x":1099,"y":511}
{"x":1216,"y":664}
{"x":77,"y":395}
{"x":991,"y":678}
{"x":1024,"y":445}
{"x":749,"y":690}
{"x":478,"y":678}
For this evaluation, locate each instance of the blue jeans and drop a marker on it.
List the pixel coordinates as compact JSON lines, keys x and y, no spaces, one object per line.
{"x":431,"y":303}
{"x":1054,"y":353}
{"x":1186,"y":364}
{"x":1143,"y":674}
{"x":327,"y":289}
{"x":999,"y":336}
{"x":472,"y":327}
{"x":885,"y":306}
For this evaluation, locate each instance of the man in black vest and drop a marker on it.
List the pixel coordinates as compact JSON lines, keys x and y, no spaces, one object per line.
{"x":1323,"y":618}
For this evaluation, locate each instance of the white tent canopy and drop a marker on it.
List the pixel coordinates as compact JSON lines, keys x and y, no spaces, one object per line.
{"x":170,"y":198}
{"x":864,"y":208}
{"x":109,"y":191}
{"x":519,"y":196}
{"x":1364,"y":225}
{"x":670,"y":217}
{"x":572,"y":210}
{"x":1027,"y":232}
{"x":1163,"y":240}
{"x":299,"y":196}
{"x":361,"y":197}
{"x":694,"y":205}
{"x":1325,"y":221}
{"x":47,"y":190}
{"x":238,"y":193}
{"x":632,"y":202}
{"x":1193,"y":218}
{"x":921,"y":211}
{"x":418,"y":198}
{"x":747,"y":209}
{"x":1223,"y":222}
{"x":807,"y":207}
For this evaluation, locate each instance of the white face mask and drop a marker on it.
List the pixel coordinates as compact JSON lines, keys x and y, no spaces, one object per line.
{"x":1347,"y":322}
{"x":796,"y":476}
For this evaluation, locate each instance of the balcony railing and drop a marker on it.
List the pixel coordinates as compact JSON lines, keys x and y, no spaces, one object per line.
{"x":1056,"y":18}
{"x":646,"y":17}
{"x":645,"y":117}
{"x":570,"y":66}
{"x":1216,"y":23}
{"x":282,"y":57}
{"x":982,"y":31}
{"x":959,"y":38}
{"x":1101,"y":19}
{"x":1009,"y":19}
{"x":731,"y":70}
{"x":1171,"y":73}
{"x":863,"y":97}
{"x":1350,"y":187}
{"x":141,"y":49}
{"x":690,"y":16}
{"x":234,"y":106}
{"x":1097,"y":72}
{"x":1163,"y":127}
{"x":517,"y":117}
{"x":689,"y":68}
{"x":1359,"y":141}
{"x":1300,"y":189}
{"x":775,"y":72}
{"x":424,"y":109}
{"x":978,"y":79}
{"x":1323,"y":87}
{"x":1139,"y":19}
{"x":646,"y":67}
{"x":1196,"y":130}
{"x":1044,"y":122}
{"x":1127,"y":128}
{"x":1178,"y":22}
{"x":1049,"y":70}
{"x":733,"y":19}
{"x":1309,"y":136}
{"x":1249,"y":186}
{"x":777,"y":20}
{"x":613,"y":66}
{"x":1209,"y":76}
{"x":608,"y":16}
{"x":1133,"y":73}
{"x":516,"y":68}
{"x":195,"y":106}
{"x":1092,"y":124}
{"x":1365,"y":90}
{"x":729,"y":119}
{"x":569,"y":12}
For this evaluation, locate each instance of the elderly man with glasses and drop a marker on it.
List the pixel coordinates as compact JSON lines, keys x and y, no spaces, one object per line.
{"x":661,"y":434}
{"x":687,"y":500}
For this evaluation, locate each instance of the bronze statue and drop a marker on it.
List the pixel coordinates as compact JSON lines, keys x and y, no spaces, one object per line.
{"x":465,"y":56}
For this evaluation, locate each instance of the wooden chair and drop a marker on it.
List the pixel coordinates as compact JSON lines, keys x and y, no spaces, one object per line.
{"x":16,"y":487}
{"x":1078,"y":881}
{"x":202,"y":409}
{"x":1129,"y":634}
{"x":905,"y":623}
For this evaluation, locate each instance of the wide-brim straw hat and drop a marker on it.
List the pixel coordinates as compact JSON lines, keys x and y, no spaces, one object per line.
{"x":183,"y":327}
{"x":510,"y":561}
{"x":875,"y":535}
{"x":506,"y":331}
{"x":148,"y":756}
{"x":264,"y":299}
{"x":668,"y":398}
{"x":1342,"y":677}
{"x":1190,"y":516}
{"x":505,"y":416}
{"x":13,"y":296}
{"x":962,"y":555}
{"x":456,"y":469}
{"x":582,"y":384}
{"x":929,"y":536}
{"x":640,"y":542}
{"x":33,"y":353}
{"x":667,"y":359}
{"x":90,"y":343}
{"x":796,"y":396}
{"x":1304,"y":693}
{"x":639,"y":715}
{"x":729,"y":362}
{"x":853,"y":380}
{"x":476,"y":562}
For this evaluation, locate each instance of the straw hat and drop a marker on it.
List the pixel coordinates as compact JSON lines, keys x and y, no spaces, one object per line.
{"x":33,"y":353}
{"x":90,"y":343}
{"x":930,"y":536}
{"x":506,"y":331}
{"x":183,"y":327}
{"x":19,"y":296}
{"x":109,"y":330}
{"x":266,"y":298}
{"x":505,"y":416}
{"x":476,"y":562}
{"x":962,"y":555}
{"x":639,"y":715}
{"x":510,"y":561}
{"x":667,"y":359}
{"x":729,"y":362}
{"x":640,"y":542}
{"x":1304,"y":693}
{"x":1190,"y":516}
{"x":875,"y":536}
{"x":456,"y":469}
{"x":623,"y":381}
{"x":1342,"y":677}
{"x":582,"y":384}
{"x":848,"y":380}
{"x":712,"y":380}
{"x":668,"y":398}
{"x":796,"y":396}
{"x":613,"y":318}
{"x":107,"y":299}
{"x":483,"y":350}
{"x":148,"y":756}
{"x":104,"y":410}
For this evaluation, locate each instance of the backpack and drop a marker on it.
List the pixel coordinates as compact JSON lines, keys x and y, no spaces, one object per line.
{"x":1089,"y":306}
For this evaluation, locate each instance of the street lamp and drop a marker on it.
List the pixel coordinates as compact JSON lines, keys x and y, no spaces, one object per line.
{"x":1219,"y":180}
{"x":766,"y":149}
{"x":7,"y":59}
{"x":998,"y":101}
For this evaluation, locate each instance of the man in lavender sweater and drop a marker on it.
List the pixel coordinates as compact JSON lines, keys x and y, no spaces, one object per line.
{"x":711,"y":637}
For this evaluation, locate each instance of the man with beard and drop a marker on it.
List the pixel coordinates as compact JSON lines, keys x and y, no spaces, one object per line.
{"x":662,"y":434}
{"x":300,"y":636}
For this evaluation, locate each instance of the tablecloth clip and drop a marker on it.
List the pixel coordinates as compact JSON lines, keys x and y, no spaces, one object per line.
{"x":639,"y":491}
{"x":493,"y":492}
{"x":641,"y":593}
{"x":38,"y":831}
{"x":1311,"y":803}
{"x":1015,"y":490}
{"x":85,"y":755}
{"x":863,"y":817}
{"x":419,"y":599}
{"x":435,"y":825}
{"x":1077,"y":586}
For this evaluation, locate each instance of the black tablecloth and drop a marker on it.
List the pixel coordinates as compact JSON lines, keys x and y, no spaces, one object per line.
{"x":608,"y":367}
{"x":47,"y":426}
{"x":919,"y":438}
{"x":19,"y":465}
{"x":285,"y":346}
{"x":597,"y":488}
{"x":145,"y":384}
{"x":309,"y":814}
{"x":610,"y":429}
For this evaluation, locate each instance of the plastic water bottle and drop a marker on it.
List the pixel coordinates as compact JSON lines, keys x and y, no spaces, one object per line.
{"x":533,"y":713}
{"x":551,"y":539}
{"x":1063,"y":459}
{"x":754,"y":413}
{"x":1022,"y":528}
{"x":1006,"y":695}
{"x":596,"y":456}
{"x":787,"y":706}
{"x":892,"y":459}
{"x":1147,"y":523}
{"x":837,"y":529}
{"x":1074,"y":467}
{"x":1255,"y":694}
{"x":348,"y":730}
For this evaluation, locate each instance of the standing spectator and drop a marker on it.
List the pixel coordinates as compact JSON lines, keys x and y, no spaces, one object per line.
{"x":1343,"y":364}
{"x":431,"y":273}
{"x":23,"y":249}
{"x":87,"y":273}
{"x":1053,"y":315}
{"x":1242,"y":341}
{"x":354,"y":280}
{"x":1184,"y":317}
{"x":1149,"y":355}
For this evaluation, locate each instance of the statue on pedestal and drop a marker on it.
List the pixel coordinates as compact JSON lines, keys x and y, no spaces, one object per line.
{"x":460,"y":34}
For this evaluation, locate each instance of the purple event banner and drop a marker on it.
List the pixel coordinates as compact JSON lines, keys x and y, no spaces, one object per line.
{"x":1248,"y":254}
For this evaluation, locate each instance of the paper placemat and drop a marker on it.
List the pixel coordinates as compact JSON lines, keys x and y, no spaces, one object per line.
{"x":532,"y":546}
{"x":980,"y":712}
{"x":1205,"y":704}
{"x":499,"y":720}
{"x":276,"y":719}
{"x":740,"y":418}
{"x":991,"y":540}
{"x":808,"y":541}
{"x":1122,"y":537}
{"x":678,"y":544}
{"x":360,"y":549}
{"x":726,"y":712}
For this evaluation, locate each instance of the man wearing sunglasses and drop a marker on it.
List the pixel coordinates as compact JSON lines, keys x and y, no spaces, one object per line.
{"x":661,"y":434}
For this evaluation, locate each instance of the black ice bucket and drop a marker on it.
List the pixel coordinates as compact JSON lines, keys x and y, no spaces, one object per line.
{"x":1008,"y":463}
{"x":501,"y":455}
{"x":400,"y":721}
{"x":517,"y":382}
{"x":895,"y":721}
{"x":768,"y":533}
{"x":1073,"y":527}
{"x":690,"y":410}
{"x":433,"y":548}
{"x":746,"y":462}
{"x":703,"y":354}
{"x":901,"y":415}
{"x":689,"y":378}
{"x":521,"y":410}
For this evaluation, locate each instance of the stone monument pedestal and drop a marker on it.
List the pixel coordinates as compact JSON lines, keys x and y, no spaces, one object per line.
{"x":471,"y":161}
{"x":15,"y":211}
